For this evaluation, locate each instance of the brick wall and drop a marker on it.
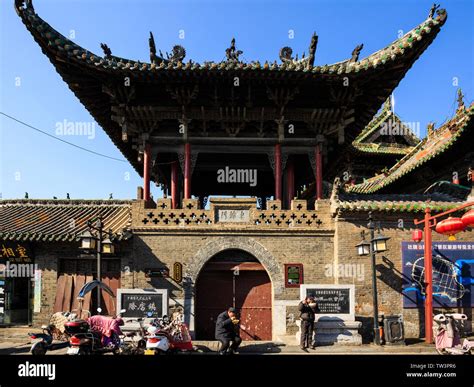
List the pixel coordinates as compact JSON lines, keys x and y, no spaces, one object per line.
{"x":389,"y":268}
{"x":48,"y":257}
{"x":155,"y":247}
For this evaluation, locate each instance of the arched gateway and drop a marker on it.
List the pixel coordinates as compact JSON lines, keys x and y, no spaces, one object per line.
{"x":235,"y":272}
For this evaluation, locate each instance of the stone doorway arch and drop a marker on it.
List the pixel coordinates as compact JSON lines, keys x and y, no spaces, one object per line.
{"x":248,"y":245}
{"x":219,"y":245}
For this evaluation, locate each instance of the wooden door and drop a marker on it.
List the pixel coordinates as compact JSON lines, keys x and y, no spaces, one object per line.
{"x":74,"y":273}
{"x":253,"y":294}
{"x":250,"y":292}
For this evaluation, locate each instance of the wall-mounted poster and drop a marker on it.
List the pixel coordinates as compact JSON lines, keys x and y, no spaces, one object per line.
{"x":293,"y":275}
{"x":453,"y":274}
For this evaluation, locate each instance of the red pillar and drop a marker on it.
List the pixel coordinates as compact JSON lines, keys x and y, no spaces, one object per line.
{"x":319,"y":171}
{"x":277,"y":172}
{"x":174,"y":185}
{"x":428,"y":279}
{"x":146,"y":172}
{"x":290,"y":182}
{"x":187,"y":171}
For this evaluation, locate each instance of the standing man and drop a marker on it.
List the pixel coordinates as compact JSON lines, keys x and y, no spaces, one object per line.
{"x":227,"y":331}
{"x":307,"y":309}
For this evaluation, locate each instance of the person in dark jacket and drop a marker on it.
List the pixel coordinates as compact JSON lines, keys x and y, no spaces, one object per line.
{"x":227,"y":331}
{"x":307,"y":309}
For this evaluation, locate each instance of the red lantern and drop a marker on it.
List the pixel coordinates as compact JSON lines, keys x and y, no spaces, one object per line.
{"x":450,"y":226}
{"x":468,"y":218}
{"x":417,"y":235}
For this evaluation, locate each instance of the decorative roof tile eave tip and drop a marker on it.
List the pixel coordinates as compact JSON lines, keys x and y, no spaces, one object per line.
{"x":53,"y":40}
{"x":374,"y":149}
{"x":122,"y":235}
{"x":395,"y":207}
{"x":68,"y":202}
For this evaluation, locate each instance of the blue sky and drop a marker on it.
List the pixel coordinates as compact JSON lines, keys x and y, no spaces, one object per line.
{"x":33,"y":92}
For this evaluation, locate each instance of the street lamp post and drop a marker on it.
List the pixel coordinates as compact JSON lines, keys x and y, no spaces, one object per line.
{"x":94,"y":238}
{"x":377,"y":244}
{"x":98,"y":228}
{"x":371,"y":227}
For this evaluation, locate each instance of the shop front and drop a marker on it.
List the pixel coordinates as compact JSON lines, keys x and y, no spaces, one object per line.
{"x":17,"y":274}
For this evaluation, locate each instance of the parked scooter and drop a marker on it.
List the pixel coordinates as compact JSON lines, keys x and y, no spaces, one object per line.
{"x":447,"y":335}
{"x":53,"y":335}
{"x":43,"y":342}
{"x":158,"y":340}
{"x":98,"y":335}
{"x":168,"y":336}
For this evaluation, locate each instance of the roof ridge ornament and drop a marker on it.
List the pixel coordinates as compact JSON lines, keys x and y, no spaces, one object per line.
{"x":286,"y":54}
{"x":21,"y":5}
{"x":177,"y":54}
{"x":460,"y":99}
{"x":151,"y":43}
{"x":356,"y":52}
{"x":107,"y":51}
{"x":232,"y":53}
{"x":312,"y":49}
{"x":433,"y":9}
{"x":430,"y":130}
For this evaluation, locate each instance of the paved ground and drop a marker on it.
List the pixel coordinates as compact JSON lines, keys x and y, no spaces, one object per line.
{"x":11,"y":348}
{"x":16,"y":341}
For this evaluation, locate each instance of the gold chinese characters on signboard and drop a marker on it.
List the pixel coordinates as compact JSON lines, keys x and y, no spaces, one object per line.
{"x":15,"y":253}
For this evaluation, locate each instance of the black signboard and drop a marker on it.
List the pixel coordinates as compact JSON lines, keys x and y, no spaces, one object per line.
{"x":331,"y":301}
{"x":139,"y":304}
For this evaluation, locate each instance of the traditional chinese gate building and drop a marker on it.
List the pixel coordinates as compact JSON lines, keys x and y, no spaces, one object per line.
{"x":246,"y":155}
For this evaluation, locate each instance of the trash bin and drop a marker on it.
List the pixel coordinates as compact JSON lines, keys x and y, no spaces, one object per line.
{"x":394,"y":331}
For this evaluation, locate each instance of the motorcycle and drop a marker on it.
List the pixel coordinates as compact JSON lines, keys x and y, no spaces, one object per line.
{"x":447,"y":335}
{"x":44,"y":341}
{"x":168,"y":336}
{"x":158,"y":340}
{"x":98,"y":335}
{"x":95,"y":334}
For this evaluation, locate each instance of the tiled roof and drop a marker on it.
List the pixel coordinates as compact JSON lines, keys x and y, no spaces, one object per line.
{"x":416,"y":40}
{"x":386,"y":115}
{"x":60,"y":220}
{"x":383,"y":148}
{"x":430,"y":147}
{"x":94,"y":79}
{"x":395,"y":203}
